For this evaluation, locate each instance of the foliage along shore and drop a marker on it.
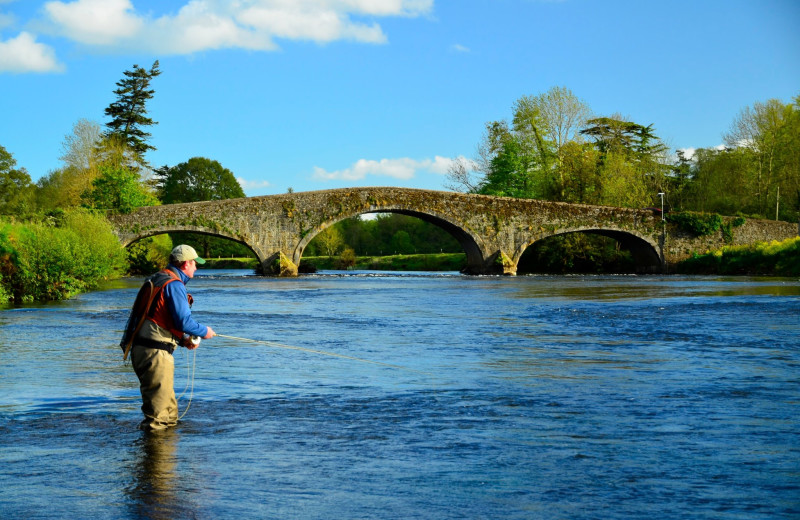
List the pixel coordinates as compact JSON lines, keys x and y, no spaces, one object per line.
{"x":69,"y":253}
{"x":759,"y":259}
{"x":310,"y":264}
{"x":42,"y":262}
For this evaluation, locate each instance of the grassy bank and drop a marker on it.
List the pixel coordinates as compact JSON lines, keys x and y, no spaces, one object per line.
{"x":230,"y":263}
{"x":763,"y":258}
{"x":432,"y":262}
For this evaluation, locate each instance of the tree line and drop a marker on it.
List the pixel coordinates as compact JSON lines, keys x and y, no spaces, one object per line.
{"x":554,"y":148}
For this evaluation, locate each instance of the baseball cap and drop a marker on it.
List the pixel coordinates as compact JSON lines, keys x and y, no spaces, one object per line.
{"x":184,"y":253}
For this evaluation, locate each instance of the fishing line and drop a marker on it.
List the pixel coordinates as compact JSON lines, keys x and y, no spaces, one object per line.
{"x":190,"y":378}
{"x":191,"y":394}
{"x":321,"y":352}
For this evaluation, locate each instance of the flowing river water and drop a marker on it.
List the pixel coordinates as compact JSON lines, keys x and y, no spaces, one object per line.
{"x":527,"y":397}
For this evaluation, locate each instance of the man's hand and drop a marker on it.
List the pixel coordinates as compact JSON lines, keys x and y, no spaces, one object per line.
{"x":210,"y":333}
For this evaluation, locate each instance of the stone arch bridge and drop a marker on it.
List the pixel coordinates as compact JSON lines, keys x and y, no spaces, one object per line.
{"x":493,"y":231}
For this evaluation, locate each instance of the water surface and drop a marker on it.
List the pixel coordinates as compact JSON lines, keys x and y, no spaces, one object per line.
{"x":526,"y":397}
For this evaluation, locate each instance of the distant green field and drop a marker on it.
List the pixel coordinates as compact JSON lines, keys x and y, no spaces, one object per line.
{"x":431,"y":262}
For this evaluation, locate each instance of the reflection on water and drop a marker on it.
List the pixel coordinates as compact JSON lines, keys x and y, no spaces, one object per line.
{"x":155,"y":492}
{"x":549,"y":397}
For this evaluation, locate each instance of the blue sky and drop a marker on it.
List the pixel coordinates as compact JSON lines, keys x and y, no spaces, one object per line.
{"x":318,"y":94}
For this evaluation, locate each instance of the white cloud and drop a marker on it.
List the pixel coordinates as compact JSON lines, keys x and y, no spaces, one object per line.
{"x":252,"y":186}
{"x":308,"y":23}
{"x":215,"y":24}
{"x":402,"y":169}
{"x":95,"y":22}
{"x":199,"y":26}
{"x":688,"y":153}
{"x":459,"y":48}
{"x":25,"y":54}
{"x":440,"y":165}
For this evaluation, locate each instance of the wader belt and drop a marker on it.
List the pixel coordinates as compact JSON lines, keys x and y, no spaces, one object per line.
{"x":151,"y":343}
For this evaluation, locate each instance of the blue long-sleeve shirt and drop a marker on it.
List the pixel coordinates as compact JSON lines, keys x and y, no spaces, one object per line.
{"x":175,"y":293}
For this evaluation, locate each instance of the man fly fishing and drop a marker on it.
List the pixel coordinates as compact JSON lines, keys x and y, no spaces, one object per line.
{"x":160,"y":321}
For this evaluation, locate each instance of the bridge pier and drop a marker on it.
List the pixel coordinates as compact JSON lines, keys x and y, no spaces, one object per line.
{"x":279,"y":265}
{"x":497,"y":264}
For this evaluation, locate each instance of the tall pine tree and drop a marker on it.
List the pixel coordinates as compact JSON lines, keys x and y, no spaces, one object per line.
{"x":129,"y":112}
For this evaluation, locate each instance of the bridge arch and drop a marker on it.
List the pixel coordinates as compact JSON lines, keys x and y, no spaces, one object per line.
{"x":131,"y":239}
{"x":472,"y":244}
{"x":645,"y":250}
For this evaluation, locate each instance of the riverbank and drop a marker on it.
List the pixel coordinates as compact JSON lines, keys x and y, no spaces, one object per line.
{"x":310,"y":264}
{"x":759,"y":259}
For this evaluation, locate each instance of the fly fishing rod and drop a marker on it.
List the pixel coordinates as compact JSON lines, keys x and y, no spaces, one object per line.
{"x":321,"y":352}
{"x":196,"y":341}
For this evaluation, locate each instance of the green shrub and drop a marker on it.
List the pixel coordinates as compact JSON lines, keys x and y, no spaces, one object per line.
{"x":5,"y":297}
{"x":149,"y":254}
{"x":346,"y":260}
{"x":40,"y":262}
{"x":699,"y":224}
{"x":762,"y":258}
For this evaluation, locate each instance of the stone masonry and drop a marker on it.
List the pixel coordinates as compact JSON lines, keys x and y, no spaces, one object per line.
{"x":494,"y":231}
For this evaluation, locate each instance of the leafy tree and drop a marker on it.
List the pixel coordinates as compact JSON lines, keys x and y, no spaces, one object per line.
{"x":613,"y":134}
{"x":401,"y":243}
{"x":84,"y":152}
{"x":680,"y":179}
{"x":129,"y":112}
{"x":723,"y":182}
{"x":196,"y":180}
{"x":771,"y":133}
{"x":60,"y":189}
{"x":623,"y":185}
{"x":632,"y":163}
{"x":524,"y":159}
{"x":118,"y":189}
{"x":580,"y":177}
{"x":788,"y":163}
{"x":330,"y":240}
{"x":515,"y":161}
{"x":506,"y":175}
{"x":560,"y":114}
{"x":16,"y":189}
{"x":79,"y":149}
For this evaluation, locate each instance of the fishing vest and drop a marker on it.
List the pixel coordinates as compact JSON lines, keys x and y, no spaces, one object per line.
{"x":158,"y":312}
{"x":150,"y":320}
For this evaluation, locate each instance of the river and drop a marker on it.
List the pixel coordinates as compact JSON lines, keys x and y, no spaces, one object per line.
{"x":575,"y":397}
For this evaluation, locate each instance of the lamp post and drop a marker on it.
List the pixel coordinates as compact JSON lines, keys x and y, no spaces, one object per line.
{"x":663,"y":240}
